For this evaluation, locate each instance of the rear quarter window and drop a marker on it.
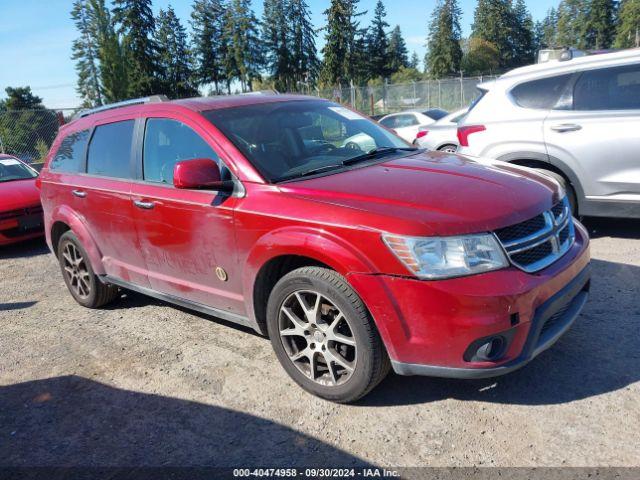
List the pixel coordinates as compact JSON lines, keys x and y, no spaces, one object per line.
{"x":110,"y":150}
{"x":71,"y":153}
{"x":540,"y":94}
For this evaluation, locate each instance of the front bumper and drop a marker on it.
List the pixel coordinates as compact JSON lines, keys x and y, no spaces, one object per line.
{"x":427,"y":326}
{"x":19,"y":225}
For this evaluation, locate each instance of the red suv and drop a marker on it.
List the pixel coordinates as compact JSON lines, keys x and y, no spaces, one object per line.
{"x":353,"y":251}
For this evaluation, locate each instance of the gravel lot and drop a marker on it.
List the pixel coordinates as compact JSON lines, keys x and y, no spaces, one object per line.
{"x":144,"y":383}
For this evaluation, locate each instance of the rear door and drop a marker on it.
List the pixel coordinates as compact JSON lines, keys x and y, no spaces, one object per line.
{"x":103,"y":196}
{"x":599,"y":135}
{"x":187,"y":236}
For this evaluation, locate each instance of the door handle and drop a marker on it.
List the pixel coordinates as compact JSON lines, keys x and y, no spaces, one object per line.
{"x":565,"y":127}
{"x":79,"y":193}
{"x":143,"y":205}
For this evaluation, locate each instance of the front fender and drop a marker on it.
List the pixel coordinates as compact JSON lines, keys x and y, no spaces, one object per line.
{"x":317,"y":244}
{"x":68,"y":216}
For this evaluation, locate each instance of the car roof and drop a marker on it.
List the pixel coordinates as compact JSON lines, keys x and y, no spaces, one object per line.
{"x":197,"y":104}
{"x":576,"y":63}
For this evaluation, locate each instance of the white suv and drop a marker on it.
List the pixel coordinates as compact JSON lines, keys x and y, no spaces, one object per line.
{"x":578,"y":120}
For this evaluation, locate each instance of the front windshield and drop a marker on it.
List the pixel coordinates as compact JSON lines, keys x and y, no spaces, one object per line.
{"x":290,"y":139}
{"x":12,"y":169}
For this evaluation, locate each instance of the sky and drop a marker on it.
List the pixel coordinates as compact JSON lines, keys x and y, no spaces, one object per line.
{"x":36,"y":36}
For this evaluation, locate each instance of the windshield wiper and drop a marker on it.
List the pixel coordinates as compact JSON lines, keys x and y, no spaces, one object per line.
{"x":313,"y":171}
{"x":376,"y":152}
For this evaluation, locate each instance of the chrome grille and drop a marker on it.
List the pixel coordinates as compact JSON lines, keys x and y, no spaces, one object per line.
{"x":538,"y":242}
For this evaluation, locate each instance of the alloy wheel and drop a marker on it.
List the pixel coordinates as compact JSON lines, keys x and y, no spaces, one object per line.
{"x":76,"y":271}
{"x":317,"y":338}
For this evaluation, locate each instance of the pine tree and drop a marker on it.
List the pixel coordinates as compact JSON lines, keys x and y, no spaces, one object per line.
{"x":244,"y":57}
{"x":599,"y":24}
{"x":378,"y":43}
{"x":136,"y":25}
{"x":414,"y":62}
{"x":207,"y":46}
{"x":114,"y":76}
{"x":523,"y":35}
{"x":174,"y":57}
{"x":628,"y":31}
{"x":85,"y":54}
{"x":546,"y":30}
{"x":443,"y":42}
{"x":493,"y":22}
{"x":398,"y":53}
{"x":338,"y":63}
{"x":305,"y":64}
{"x":275,"y":38}
{"x":571,"y":23}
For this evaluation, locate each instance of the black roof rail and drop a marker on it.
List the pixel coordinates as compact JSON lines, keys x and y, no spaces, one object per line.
{"x":124,"y":103}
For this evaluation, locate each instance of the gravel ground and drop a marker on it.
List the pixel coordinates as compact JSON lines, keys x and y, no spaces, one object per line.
{"x":144,"y":383}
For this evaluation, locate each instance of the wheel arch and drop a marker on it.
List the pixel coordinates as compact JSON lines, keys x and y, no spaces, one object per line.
{"x":546,"y":162}
{"x":278,"y":253}
{"x":65,"y":219}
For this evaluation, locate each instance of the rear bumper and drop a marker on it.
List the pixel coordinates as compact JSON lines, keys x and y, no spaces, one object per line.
{"x":429,"y":327}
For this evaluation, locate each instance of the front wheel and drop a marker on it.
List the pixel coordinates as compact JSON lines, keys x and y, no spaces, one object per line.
{"x":324,"y":336}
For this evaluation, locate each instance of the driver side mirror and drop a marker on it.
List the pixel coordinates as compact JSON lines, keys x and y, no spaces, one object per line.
{"x":200,"y":173}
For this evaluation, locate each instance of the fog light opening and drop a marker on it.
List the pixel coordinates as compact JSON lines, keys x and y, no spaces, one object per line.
{"x":491,"y":350}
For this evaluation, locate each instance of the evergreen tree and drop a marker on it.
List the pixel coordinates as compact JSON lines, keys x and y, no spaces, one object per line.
{"x":338,"y":63}
{"x":546,"y":30}
{"x":174,"y":57}
{"x":207,"y":32}
{"x":480,"y":57}
{"x":443,"y":42}
{"x":628,"y":31}
{"x":398,"y":53}
{"x":599,"y":24}
{"x":244,"y":57}
{"x":275,"y":38}
{"x":571,"y":23}
{"x":85,"y":54}
{"x":493,"y":22}
{"x":378,"y":43}
{"x":136,"y":25}
{"x":114,"y":76}
{"x":304,"y":58}
{"x":414,"y":62}
{"x":523,"y":35}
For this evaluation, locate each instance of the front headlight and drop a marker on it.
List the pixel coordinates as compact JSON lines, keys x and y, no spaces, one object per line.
{"x":444,"y":257}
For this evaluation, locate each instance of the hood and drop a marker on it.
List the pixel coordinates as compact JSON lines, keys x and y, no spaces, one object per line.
{"x":18,"y":194}
{"x":434,"y":193}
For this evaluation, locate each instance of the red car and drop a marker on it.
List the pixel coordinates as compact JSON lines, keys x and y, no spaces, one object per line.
{"x":262,"y":210}
{"x":20,"y":210}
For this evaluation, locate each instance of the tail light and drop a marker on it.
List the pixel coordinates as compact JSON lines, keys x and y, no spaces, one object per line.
{"x":421,"y":133}
{"x":464,"y":132}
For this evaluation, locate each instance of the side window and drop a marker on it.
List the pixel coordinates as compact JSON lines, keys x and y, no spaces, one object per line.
{"x":70,"y":155}
{"x":608,"y":89}
{"x":167,"y":142}
{"x":391,"y":122}
{"x":540,"y":94}
{"x":406,"y":121}
{"x":110,"y":150}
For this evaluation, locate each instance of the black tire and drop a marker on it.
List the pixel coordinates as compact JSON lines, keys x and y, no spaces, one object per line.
{"x":371,"y":360}
{"x":451,"y":148}
{"x":571,"y":193}
{"x":92,"y":293}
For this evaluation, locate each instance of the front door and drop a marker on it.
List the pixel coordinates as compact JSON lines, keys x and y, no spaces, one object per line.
{"x":187,"y":236}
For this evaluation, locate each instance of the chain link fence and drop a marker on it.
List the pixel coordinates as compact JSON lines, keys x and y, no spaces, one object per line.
{"x":448,"y":94}
{"x":28,"y":134}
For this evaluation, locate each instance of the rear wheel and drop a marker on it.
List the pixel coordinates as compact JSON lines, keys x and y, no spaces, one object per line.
{"x":85,"y":287}
{"x":448,"y":148}
{"x":324,"y":336}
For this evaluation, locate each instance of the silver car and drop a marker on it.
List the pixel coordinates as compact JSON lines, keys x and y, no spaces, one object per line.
{"x":441,"y":135}
{"x":577,"y":120}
